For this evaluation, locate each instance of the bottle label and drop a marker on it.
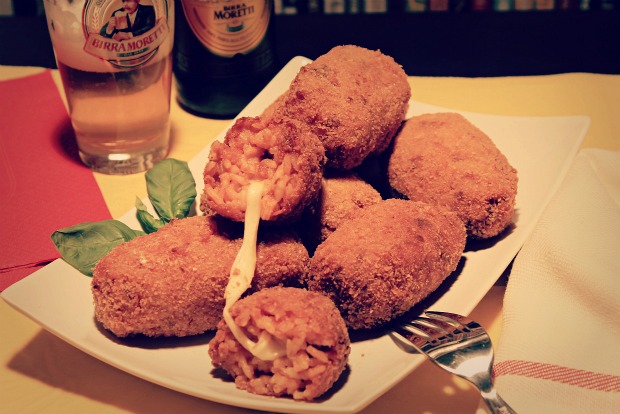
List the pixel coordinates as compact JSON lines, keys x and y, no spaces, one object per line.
{"x":125,"y":33}
{"x":228,"y":27}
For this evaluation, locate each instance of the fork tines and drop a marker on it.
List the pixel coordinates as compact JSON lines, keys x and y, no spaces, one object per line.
{"x":435,"y":329}
{"x":456,"y":344}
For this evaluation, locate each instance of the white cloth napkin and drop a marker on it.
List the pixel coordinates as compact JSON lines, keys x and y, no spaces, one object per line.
{"x":559,"y":351}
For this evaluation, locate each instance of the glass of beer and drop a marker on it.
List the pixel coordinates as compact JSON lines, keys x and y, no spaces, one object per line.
{"x":114,"y":58}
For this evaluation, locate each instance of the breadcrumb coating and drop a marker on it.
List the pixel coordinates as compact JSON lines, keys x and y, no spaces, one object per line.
{"x":342,"y":196}
{"x":353,"y":99}
{"x":386,"y":259}
{"x":172,"y":282}
{"x":443,"y":159}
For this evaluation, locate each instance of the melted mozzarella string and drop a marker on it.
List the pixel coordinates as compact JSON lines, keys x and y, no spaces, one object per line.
{"x":266,"y":348}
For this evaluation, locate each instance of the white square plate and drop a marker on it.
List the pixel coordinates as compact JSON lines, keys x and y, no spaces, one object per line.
{"x":58,"y":296}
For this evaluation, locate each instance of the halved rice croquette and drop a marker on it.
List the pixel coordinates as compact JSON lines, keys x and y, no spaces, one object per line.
{"x":317,"y":343}
{"x":172,"y":282}
{"x":445,"y":160}
{"x":281,"y":152}
{"x":353,"y":99}
{"x":342,"y":196}
{"x":385,"y":260}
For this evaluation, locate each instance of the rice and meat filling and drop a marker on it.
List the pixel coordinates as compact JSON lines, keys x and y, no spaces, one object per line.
{"x":316,"y":338}
{"x":280,"y":152}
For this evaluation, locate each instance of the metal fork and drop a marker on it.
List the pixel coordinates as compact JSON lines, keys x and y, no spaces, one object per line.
{"x":457,"y":344}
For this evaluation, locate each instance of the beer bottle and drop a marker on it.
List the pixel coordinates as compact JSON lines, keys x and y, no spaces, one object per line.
{"x":223,"y":54}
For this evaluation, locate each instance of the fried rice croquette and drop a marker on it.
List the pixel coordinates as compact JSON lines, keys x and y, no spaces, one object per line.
{"x":281,"y":152}
{"x":342,"y":196}
{"x":443,"y":159}
{"x":317,"y":343}
{"x":172,"y":282}
{"x":386,"y":259}
{"x":353,"y":99}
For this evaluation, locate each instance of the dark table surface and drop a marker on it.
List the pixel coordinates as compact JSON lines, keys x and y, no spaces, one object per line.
{"x":430,"y":44}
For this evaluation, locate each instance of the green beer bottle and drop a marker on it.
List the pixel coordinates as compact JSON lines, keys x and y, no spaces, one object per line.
{"x":223,"y":54}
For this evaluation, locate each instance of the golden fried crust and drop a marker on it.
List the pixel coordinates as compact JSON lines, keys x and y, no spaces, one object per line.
{"x":379,"y":264}
{"x":172,"y":282}
{"x":443,"y":159}
{"x":354,"y":100}
{"x":281,"y":152}
{"x":343,"y":195}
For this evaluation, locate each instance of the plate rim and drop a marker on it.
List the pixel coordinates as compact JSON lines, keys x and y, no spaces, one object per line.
{"x":12,"y":293}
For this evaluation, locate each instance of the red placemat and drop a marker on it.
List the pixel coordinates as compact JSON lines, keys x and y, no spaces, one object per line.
{"x":43,"y":184}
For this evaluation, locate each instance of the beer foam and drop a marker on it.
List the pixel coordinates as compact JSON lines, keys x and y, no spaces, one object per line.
{"x":65,"y":25}
{"x":68,"y":36}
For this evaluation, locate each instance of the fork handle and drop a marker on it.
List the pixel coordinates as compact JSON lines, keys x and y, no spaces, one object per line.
{"x":496,"y":404}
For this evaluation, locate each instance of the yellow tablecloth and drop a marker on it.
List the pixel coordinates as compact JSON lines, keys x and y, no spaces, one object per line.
{"x":42,"y":374}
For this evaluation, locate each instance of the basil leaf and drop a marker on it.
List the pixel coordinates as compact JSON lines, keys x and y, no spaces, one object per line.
{"x":171,"y":188}
{"x":149,"y":223}
{"x":84,"y":244}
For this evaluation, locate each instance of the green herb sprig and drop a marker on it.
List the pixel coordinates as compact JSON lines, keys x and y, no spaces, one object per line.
{"x":171,"y":189}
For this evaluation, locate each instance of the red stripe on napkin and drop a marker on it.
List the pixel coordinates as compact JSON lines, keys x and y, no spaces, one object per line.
{"x":43,"y":184}
{"x":565,"y":375}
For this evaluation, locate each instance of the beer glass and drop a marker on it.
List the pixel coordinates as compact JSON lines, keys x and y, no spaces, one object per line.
{"x":114,"y":58}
